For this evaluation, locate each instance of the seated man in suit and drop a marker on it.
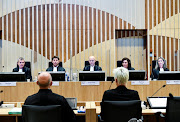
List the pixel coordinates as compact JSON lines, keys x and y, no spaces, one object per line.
{"x":21,"y":68}
{"x":55,"y":67}
{"x":92,"y":66}
{"x":46,"y":97}
{"x":120,"y":93}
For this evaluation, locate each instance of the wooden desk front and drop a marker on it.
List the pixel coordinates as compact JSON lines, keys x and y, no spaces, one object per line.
{"x":20,"y":92}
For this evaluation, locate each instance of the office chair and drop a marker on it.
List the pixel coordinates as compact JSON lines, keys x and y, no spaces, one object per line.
{"x":119,"y":63}
{"x":87,"y":63}
{"x":32,"y":113}
{"x":27,"y":64}
{"x":120,"y":111}
{"x":51,"y":64}
{"x":172,"y":110}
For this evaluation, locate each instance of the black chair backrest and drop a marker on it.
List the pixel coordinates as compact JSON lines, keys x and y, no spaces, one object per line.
{"x":153,"y":64}
{"x":87,"y":63}
{"x":32,"y":113}
{"x":173,"y":109}
{"x":27,"y":64}
{"x":119,"y":63}
{"x":121,"y":111}
{"x":51,"y":64}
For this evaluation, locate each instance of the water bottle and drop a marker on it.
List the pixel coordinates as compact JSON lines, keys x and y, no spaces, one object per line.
{"x":74,"y":76}
{"x":67,"y":76}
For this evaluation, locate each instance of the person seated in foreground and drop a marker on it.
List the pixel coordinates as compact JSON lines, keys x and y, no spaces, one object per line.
{"x":22,"y":68}
{"x":160,"y":66}
{"x":126,"y":63}
{"x":55,"y":67}
{"x":121,"y":92}
{"x":92,"y":66}
{"x":46,"y":97}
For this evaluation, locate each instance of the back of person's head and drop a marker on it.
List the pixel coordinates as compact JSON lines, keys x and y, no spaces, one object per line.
{"x":44,"y":80}
{"x":128,"y":60}
{"x":121,"y":74}
{"x":55,"y":57}
{"x":164,"y":65}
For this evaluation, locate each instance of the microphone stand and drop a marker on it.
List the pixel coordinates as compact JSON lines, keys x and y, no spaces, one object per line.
{"x":158,"y":90}
{"x":111,"y":83}
{"x":1,"y":101}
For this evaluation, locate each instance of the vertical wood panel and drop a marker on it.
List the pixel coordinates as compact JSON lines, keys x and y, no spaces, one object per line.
{"x":90,"y":27}
{"x":64,"y":31}
{"x":103,"y":26}
{"x":60,"y":32}
{"x":107,"y":25}
{"x":69,"y":33}
{"x":77,"y":27}
{"x":82,"y":29}
{"x":73,"y":31}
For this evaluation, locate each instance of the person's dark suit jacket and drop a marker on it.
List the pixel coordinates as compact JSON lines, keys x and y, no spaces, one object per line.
{"x":121,"y":93}
{"x":96,"y":68}
{"x":155,"y":73}
{"x":26,"y":70}
{"x":46,"y":97}
{"x":58,"y":69}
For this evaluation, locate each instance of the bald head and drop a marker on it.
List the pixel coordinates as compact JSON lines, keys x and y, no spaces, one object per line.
{"x":92,"y":60}
{"x":44,"y":80}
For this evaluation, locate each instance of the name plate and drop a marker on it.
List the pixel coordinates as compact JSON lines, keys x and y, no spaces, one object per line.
{"x":173,"y":82}
{"x":140,"y":82}
{"x":55,"y":83}
{"x":90,"y":83}
{"x":7,"y":83}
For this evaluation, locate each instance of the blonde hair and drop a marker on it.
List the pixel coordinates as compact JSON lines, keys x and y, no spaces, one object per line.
{"x":121,"y":74}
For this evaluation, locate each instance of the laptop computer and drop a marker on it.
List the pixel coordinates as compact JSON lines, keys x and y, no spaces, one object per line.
{"x":72,"y":102}
{"x":157,"y":102}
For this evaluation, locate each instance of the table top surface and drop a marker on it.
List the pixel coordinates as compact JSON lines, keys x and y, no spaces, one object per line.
{"x":4,"y":111}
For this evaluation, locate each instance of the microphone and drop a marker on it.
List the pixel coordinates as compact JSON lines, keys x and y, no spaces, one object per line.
{"x":158,"y":90}
{"x":111,"y":83}
{"x":1,"y":101}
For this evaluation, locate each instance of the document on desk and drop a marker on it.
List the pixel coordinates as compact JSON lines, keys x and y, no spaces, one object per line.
{"x":140,"y":82}
{"x":55,"y":83}
{"x":173,"y":82}
{"x":7,"y":83}
{"x":15,"y":111}
{"x":90,"y":83}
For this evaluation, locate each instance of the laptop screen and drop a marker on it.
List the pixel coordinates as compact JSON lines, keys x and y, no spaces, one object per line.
{"x":157,"y":102}
{"x":72,"y":102}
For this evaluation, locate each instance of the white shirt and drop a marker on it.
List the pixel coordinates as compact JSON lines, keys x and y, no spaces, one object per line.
{"x":91,"y":68}
{"x":20,"y":70}
{"x":161,"y":69}
{"x":55,"y":69}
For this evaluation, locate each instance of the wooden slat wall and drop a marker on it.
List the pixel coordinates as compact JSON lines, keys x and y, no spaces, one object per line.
{"x":54,"y":43}
{"x":161,"y":44}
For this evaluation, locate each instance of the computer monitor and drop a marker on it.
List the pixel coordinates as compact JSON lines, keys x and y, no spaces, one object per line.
{"x":91,"y":76}
{"x":137,"y":74}
{"x":12,"y":77}
{"x":169,"y":75}
{"x":57,"y":76}
{"x":72,"y":101}
{"x":157,"y":102}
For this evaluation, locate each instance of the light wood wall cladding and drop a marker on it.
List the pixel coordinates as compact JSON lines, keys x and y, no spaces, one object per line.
{"x":74,"y":89}
{"x":61,"y":33}
{"x":162,"y":21}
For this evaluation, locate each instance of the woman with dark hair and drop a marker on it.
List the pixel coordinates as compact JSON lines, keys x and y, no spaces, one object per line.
{"x":126,"y":63}
{"x":160,"y":66}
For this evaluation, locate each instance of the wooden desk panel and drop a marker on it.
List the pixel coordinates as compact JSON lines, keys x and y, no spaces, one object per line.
{"x":84,"y":93}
